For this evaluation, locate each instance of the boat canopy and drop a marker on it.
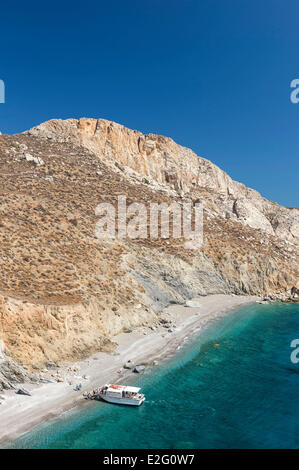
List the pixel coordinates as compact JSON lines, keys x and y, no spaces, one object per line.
{"x":132,"y":389}
{"x":122,"y":388}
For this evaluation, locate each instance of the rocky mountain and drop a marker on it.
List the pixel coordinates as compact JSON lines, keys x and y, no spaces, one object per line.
{"x":161,"y":160}
{"x":64,"y":293}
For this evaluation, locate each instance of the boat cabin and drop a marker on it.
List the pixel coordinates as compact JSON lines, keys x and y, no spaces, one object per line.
{"x":121,"y":391}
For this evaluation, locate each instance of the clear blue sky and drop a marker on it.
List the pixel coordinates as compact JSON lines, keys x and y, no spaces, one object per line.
{"x":212,"y":74}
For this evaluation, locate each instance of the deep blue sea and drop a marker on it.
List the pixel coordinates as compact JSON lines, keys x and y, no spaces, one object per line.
{"x":242,"y":394}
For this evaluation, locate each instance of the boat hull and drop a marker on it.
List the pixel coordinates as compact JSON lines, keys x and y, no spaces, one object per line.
{"x":122,"y":401}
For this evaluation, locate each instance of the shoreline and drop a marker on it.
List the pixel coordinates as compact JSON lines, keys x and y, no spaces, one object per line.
{"x":21,"y":414}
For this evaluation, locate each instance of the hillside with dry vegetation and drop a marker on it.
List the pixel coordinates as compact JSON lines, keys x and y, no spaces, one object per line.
{"x":64,"y":293}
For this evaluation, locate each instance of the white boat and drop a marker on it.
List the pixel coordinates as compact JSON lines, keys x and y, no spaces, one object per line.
{"x":121,"y":395}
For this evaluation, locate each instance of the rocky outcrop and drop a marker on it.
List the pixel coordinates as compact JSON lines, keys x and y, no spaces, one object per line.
{"x":290,"y":295}
{"x":12,"y":374}
{"x":53,"y":331}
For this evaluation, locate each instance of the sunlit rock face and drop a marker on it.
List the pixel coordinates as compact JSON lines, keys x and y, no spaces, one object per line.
{"x":160,"y":159}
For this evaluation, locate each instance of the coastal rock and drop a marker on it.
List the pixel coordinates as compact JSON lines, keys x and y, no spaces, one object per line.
{"x":23,"y":391}
{"x":139,"y":368}
{"x":129,"y":365}
{"x":42,"y":380}
{"x":291,"y":295}
{"x":12,"y":374}
{"x":128,"y":330}
{"x":295,"y":291}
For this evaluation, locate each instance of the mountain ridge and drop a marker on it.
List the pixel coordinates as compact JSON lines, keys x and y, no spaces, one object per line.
{"x":173,"y":165}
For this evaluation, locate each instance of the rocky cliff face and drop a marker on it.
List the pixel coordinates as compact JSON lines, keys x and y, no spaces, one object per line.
{"x":64,"y":293}
{"x":160,"y":159}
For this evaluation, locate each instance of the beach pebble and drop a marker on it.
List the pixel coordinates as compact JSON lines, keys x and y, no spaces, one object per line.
{"x":138,"y":369}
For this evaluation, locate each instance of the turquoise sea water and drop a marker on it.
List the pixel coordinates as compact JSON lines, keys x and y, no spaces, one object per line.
{"x":242,"y":394}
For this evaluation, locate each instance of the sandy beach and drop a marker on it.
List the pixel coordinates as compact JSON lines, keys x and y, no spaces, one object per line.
{"x":20,"y":413}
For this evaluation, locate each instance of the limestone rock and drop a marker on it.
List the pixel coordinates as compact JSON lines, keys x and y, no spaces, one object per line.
{"x":251,"y":216}
{"x":30,"y":158}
